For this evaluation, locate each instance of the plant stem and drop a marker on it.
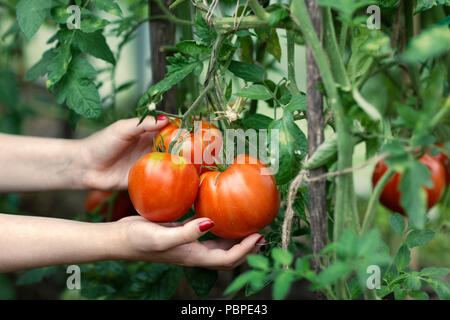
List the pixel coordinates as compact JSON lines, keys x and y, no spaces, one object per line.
{"x":258,"y":10}
{"x":441,"y":114}
{"x":292,"y":85}
{"x":197,"y":101}
{"x":331,"y":45}
{"x":170,"y":16}
{"x":225,"y":25}
{"x":371,"y":206}
{"x":343,"y":38}
{"x":343,"y":216}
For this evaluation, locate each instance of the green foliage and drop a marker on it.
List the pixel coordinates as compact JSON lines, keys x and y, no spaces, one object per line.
{"x":31,"y":14}
{"x":246,"y":71}
{"x":201,"y":280}
{"x":36,"y":275}
{"x":420,"y":48}
{"x":423,"y":5}
{"x":292,"y":148}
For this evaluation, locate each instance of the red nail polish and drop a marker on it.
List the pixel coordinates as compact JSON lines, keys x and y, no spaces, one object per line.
{"x":161,"y":117}
{"x":205,"y":225}
{"x":259,"y":239}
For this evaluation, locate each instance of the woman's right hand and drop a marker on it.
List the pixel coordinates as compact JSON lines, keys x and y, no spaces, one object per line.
{"x":176,"y":243}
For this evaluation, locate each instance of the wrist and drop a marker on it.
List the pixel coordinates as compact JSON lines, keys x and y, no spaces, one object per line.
{"x":79,"y":167}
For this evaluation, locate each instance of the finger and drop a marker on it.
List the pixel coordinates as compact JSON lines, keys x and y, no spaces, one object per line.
{"x":229,"y":259}
{"x":255,"y":250}
{"x":224,"y":244}
{"x":189,"y":232}
{"x":131,"y":128}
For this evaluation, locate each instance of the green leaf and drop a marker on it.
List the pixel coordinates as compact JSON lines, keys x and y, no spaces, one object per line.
{"x":59,"y":64}
{"x":413,"y":198}
{"x":278,"y":15}
{"x":282,"y":284}
{"x":402,"y":258}
{"x":79,"y":92}
{"x":418,"y":295}
{"x":434,"y":272}
{"x":9,"y":93}
{"x":40,"y":68}
{"x":92,"y":24}
{"x":423,"y":5}
{"x":397,"y":223}
{"x":35,"y":275}
{"x":166,"y":285}
{"x":257,"y":261}
{"x":256,"y":92}
{"x":419,"y":238}
{"x":335,"y":271}
{"x":442,"y":288}
{"x":282,"y":257}
{"x":203,"y":31}
{"x":168,"y":82}
{"x":109,"y":6}
{"x":400,"y":293}
{"x":257,"y":121}
{"x":292,"y":148}
{"x":297,"y":103}
{"x":258,"y":283}
{"x":248,"y":72}
{"x":201,"y":280}
{"x":31,"y":14}
{"x":93,"y":43}
{"x":273,"y":44}
{"x":242,"y":280}
{"x":324,"y":154}
{"x":192,"y":48}
{"x":429,"y":44}
{"x":413,"y":282}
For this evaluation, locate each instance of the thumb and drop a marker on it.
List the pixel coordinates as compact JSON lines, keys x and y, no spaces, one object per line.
{"x":187,"y":233}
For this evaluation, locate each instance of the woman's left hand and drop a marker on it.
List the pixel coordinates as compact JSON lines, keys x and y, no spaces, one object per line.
{"x":108,"y":155}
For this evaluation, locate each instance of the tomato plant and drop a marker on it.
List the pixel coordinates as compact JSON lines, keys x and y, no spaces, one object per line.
{"x":111,"y":206}
{"x":391,"y":195}
{"x":241,"y":200}
{"x":317,"y":106}
{"x":200,"y":147}
{"x":162,"y":186}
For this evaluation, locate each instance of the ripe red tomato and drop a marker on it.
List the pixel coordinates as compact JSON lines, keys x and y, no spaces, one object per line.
{"x":240,"y":200}
{"x":443,"y":159}
{"x":390,"y":197}
{"x":199,"y":147}
{"x":162,"y":186}
{"x":122,"y":205}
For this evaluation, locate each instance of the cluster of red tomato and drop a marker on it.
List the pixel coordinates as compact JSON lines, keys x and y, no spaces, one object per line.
{"x":439,"y":166}
{"x":163,"y":186}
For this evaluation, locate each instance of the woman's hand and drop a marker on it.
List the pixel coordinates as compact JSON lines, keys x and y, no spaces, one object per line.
{"x":176,"y":243}
{"x":107,"y":155}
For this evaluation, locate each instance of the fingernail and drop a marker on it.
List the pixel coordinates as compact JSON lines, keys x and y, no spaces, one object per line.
{"x":259,"y":239}
{"x":161,"y":117}
{"x":205,"y":225}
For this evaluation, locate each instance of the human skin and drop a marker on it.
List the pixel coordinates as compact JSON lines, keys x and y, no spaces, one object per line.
{"x":100,"y":161}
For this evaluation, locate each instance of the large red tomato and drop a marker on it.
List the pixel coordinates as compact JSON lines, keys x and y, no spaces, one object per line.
{"x":443,"y":159}
{"x":162,"y":186}
{"x":121,"y":208}
{"x":199,"y":147}
{"x":240,"y":200}
{"x":390,"y":197}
